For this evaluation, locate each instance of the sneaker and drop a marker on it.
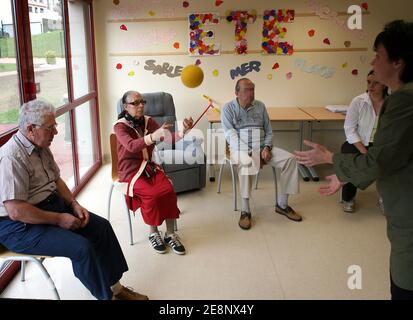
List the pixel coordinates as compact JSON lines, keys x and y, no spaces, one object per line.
{"x":127,"y":293}
{"x":349,"y":206}
{"x":245,"y":220}
{"x":289,"y":213}
{"x":175,"y":243}
{"x":156,"y":241}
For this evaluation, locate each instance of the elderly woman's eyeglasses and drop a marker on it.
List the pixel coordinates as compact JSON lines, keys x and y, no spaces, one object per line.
{"x":138,"y":102}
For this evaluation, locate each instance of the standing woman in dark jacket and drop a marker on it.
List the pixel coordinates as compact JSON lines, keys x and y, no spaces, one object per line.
{"x":390,"y":159}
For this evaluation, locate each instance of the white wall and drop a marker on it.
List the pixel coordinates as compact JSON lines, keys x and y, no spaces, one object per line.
{"x":304,"y":89}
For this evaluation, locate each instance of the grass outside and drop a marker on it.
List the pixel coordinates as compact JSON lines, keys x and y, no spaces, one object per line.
{"x":9,"y":116}
{"x":4,"y":67}
{"x":41,"y":43}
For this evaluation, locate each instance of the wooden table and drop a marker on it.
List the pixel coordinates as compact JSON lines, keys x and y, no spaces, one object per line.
{"x":322,"y":114}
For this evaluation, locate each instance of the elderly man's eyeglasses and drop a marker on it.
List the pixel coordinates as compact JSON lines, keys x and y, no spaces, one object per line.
{"x":51,"y":128}
{"x":138,"y":102}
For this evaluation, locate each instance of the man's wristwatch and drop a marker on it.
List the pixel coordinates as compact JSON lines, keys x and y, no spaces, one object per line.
{"x":269,"y":147}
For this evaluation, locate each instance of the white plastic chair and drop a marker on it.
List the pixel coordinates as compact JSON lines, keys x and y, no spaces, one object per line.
{"x":121,"y":187}
{"x":7,"y":255}
{"x":227,"y":159}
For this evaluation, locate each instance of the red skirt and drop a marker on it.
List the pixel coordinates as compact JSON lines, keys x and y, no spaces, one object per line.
{"x":156,"y":198}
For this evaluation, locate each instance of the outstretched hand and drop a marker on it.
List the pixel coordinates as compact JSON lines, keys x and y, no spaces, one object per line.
{"x":188,"y":123}
{"x":317,"y":155}
{"x":161,"y":132}
{"x":332,"y":187}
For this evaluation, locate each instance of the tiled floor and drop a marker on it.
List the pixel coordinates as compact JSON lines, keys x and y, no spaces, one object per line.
{"x":276,"y":259}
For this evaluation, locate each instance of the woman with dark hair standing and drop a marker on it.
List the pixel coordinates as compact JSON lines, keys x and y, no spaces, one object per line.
{"x":390,"y":159}
{"x":148,"y":187}
{"x":360,"y":128}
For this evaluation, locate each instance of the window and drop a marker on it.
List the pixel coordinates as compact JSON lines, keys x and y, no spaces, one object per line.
{"x":80,"y":51}
{"x":86,"y":145}
{"x":9,"y":74}
{"x":62,"y":149}
{"x":49,"y":60}
{"x":34,"y":64}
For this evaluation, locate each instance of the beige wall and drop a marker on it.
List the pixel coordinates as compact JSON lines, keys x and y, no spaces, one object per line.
{"x":304,"y":88}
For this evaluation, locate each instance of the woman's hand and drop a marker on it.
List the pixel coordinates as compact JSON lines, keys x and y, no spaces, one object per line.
{"x":318,"y":155}
{"x":332,"y":187}
{"x":188,"y":123}
{"x":161,"y":132}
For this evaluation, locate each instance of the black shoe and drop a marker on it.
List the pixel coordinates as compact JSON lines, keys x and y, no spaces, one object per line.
{"x":175,"y":243}
{"x":156,"y":241}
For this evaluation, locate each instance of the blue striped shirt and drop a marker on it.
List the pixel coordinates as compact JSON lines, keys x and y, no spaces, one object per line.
{"x":246,"y":129}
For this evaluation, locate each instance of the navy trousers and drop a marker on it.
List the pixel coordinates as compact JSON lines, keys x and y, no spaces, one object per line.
{"x":97,"y":258}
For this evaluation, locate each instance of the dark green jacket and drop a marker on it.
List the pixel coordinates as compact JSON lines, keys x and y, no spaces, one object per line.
{"x":390,"y":162}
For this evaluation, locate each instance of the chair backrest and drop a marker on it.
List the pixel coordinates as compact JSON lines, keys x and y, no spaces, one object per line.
{"x":114,"y":155}
{"x":159,"y":106}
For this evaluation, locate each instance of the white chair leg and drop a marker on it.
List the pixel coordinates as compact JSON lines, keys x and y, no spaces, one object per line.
{"x":256,"y":180}
{"x":234,"y":185}
{"x":49,"y":279}
{"x":274,"y":172}
{"x":234,"y":181}
{"x":220,"y":175}
{"x":22,"y":271}
{"x":109,"y":199}
{"x":42,"y":268}
{"x":128,"y":214}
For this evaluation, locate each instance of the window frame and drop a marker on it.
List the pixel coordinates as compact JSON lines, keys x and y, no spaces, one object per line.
{"x":27,"y":83}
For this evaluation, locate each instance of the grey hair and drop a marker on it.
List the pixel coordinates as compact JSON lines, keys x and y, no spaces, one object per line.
{"x":126,"y":96}
{"x":33,"y":112}
{"x":238,"y":84}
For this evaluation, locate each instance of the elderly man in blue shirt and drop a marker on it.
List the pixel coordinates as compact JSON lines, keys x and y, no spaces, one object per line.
{"x":248,"y":132}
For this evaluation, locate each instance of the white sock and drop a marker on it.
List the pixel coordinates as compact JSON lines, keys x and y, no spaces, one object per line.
{"x":282,"y":200}
{"x":116,"y":288}
{"x":246,"y":205}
